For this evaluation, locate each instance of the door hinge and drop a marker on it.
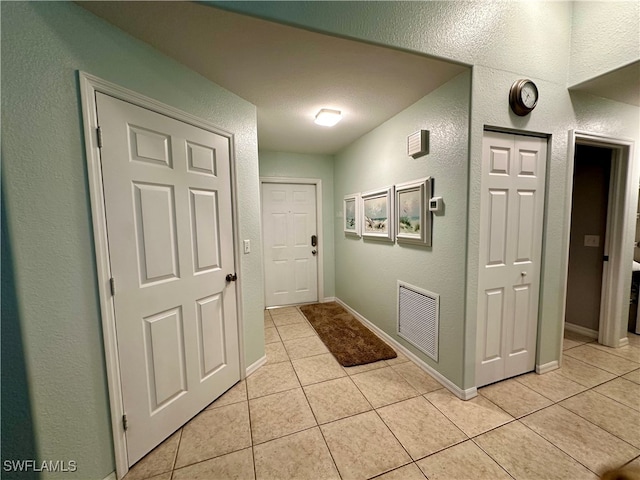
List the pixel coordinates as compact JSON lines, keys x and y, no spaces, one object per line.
{"x":99,"y":132}
{"x":125,"y":424}
{"x":112,"y":285}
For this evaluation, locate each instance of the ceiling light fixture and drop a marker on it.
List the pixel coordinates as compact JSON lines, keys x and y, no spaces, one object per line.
{"x":327,"y":117}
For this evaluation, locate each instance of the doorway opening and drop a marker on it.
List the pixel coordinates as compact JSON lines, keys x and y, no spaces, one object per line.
{"x":588,"y":238}
{"x":615,"y":242}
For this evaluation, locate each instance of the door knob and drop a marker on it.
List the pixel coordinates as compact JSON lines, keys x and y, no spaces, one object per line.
{"x":231,"y":277}
{"x":524,"y":274}
{"x":313,"y":252}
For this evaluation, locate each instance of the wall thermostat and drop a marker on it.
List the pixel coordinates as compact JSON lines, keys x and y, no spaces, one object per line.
{"x":435,"y":204}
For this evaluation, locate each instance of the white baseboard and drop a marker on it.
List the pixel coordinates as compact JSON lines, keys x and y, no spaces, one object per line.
{"x":624,"y":341}
{"x":467,"y":394}
{"x":587,"y":332}
{"x":328,"y":299}
{"x":547,"y":367}
{"x":255,"y":365}
{"x":111,"y":476}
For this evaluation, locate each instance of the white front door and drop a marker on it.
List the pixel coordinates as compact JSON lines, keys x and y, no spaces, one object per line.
{"x":169,"y":222}
{"x":511,"y":223}
{"x":291,"y":261}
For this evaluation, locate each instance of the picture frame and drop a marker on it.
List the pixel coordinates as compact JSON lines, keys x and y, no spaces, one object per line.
{"x":351,"y":214}
{"x":413,"y":218}
{"x":377,"y":214}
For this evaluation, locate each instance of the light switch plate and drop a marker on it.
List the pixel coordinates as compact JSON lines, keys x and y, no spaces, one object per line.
{"x":592,"y":240}
{"x":247,"y":246}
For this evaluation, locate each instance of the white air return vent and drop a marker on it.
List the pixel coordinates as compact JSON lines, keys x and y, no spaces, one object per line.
{"x":418,"y":143}
{"x":419,"y":318}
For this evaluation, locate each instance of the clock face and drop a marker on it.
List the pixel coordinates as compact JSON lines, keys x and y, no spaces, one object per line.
{"x":529,"y":95}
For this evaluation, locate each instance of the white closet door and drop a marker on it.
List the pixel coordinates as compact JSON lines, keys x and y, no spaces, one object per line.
{"x":511,"y":216}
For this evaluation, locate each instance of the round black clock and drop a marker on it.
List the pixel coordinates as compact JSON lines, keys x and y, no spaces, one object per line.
{"x":523,"y":96}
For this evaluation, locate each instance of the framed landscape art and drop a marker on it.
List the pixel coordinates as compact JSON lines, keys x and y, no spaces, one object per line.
{"x":413,"y":218}
{"x":351,"y":212}
{"x":377,"y":214}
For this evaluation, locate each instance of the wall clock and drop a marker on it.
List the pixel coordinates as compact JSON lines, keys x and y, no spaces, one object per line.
{"x":523,"y":96}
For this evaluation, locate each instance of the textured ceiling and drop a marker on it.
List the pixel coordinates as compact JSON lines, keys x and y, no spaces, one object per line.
{"x":287,"y":72}
{"x":290,"y":73}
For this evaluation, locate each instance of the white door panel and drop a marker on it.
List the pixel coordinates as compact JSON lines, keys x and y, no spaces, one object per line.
{"x":512,"y":204}
{"x":169,"y":221}
{"x":289,"y":221}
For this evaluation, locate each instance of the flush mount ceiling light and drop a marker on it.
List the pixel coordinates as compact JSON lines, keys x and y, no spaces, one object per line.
{"x":327,"y":117}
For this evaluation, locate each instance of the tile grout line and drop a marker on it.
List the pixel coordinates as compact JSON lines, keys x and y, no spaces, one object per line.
{"x":489,"y":455}
{"x":175,"y":455}
{"x":253,"y":453}
{"x":558,"y":448}
{"x":317,"y":425}
{"x":598,"y":426}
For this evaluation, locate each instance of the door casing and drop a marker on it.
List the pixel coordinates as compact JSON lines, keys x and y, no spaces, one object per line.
{"x":89,"y":85}
{"x":623,"y":198}
{"x":318,"y":183}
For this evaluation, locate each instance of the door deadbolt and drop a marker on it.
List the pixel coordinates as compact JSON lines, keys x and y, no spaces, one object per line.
{"x":231,"y":277}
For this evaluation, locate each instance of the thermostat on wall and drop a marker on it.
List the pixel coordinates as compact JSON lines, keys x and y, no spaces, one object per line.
{"x":418,"y":143}
{"x":435,"y":204}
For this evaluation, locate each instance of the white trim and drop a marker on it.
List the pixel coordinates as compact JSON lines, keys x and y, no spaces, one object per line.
{"x":624,"y":341}
{"x":622,"y":219}
{"x":89,"y":85}
{"x":111,"y":476}
{"x":467,"y":394}
{"x":328,"y":299}
{"x":587,"y":332}
{"x":319,"y":219}
{"x":547,"y":367}
{"x":256,"y":365}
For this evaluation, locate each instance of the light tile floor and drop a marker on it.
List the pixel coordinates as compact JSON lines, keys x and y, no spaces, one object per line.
{"x":303,"y":416}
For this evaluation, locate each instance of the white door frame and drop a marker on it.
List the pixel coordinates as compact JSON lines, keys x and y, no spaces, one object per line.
{"x":89,"y":85}
{"x":319,"y":220}
{"x":623,"y":198}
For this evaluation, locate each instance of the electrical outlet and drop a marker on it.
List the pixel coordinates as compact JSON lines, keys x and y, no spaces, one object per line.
{"x":247,"y":246}
{"x":592,"y":240}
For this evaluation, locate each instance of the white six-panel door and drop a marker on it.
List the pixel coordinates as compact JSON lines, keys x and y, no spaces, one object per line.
{"x":291,"y":262}
{"x":511,"y":224}
{"x":169,"y":223}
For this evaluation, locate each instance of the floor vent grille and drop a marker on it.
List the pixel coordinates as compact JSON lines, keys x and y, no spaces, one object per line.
{"x":419,"y":318}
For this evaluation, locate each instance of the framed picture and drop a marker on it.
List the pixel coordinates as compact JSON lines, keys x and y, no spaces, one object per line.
{"x":413,"y":218}
{"x":352,"y":214}
{"x":377,"y":214}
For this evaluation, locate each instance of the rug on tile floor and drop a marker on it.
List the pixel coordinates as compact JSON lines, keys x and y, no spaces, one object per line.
{"x":346,"y":338}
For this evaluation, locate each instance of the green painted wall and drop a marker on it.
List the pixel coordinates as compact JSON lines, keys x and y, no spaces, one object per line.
{"x":604,"y":37}
{"x":503,"y":41}
{"x":297,"y":165}
{"x":45,"y":193}
{"x":367,"y":271}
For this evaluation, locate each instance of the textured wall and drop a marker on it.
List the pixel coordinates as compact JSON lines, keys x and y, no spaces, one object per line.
{"x":367,"y":271}
{"x":503,"y":41}
{"x":296,"y":165}
{"x":49,"y":222}
{"x":604,"y":37}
